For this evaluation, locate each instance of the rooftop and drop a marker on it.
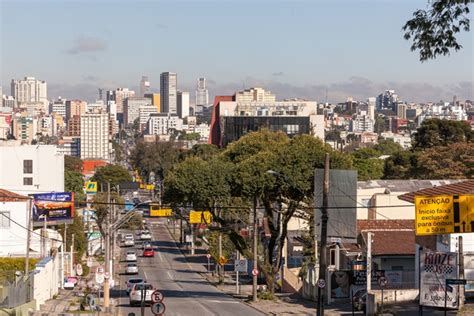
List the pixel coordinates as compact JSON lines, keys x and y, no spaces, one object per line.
{"x":461,"y":187}
{"x":8,"y":196}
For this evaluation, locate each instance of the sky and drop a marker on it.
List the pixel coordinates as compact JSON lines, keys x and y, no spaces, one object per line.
{"x":297,"y":49}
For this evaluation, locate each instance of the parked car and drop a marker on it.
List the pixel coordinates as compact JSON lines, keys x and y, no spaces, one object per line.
{"x":131,"y":268}
{"x":148,"y":252}
{"x":131,"y":282}
{"x":138,"y":290}
{"x":145,"y":235}
{"x":359,"y":300}
{"x":131,"y":256}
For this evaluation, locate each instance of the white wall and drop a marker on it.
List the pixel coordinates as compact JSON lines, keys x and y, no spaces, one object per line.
{"x":48,"y":169}
{"x":46,"y":280}
{"x":13,"y":239}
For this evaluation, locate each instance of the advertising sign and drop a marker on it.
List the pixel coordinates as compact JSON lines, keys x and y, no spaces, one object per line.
{"x":434,"y":215}
{"x":91,"y":187}
{"x":164,"y":212}
{"x":196,"y":217}
{"x":56,"y":208}
{"x":435,"y":268}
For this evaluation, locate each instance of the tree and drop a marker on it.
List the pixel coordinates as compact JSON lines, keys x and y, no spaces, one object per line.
{"x":369,"y":168}
{"x":73,"y":163}
{"x":118,"y":152}
{"x":113,"y":173}
{"x":434,"y":30}
{"x":387,"y":147}
{"x":401,"y":165}
{"x":74,"y":182}
{"x":102,"y":208}
{"x":436,"y":132}
{"x":379,"y":125}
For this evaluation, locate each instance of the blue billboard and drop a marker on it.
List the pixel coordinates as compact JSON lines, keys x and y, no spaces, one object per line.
{"x":54,"y":208}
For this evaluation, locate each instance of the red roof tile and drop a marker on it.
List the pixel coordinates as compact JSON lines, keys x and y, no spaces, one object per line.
{"x":465,"y":187}
{"x":8,"y":196}
{"x":391,"y":237}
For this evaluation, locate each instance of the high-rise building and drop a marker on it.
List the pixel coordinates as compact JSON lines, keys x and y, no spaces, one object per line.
{"x":24,"y":128}
{"x":168,"y":92}
{"x":371,"y":104}
{"x":387,"y":100}
{"x":163,"y":123}
{"x":95,"y":136}
{"x":402,"y":110}
{"x":132,"y":109}
{"x":144,"y":113}
{"x":73,"y":127}
{"x":144,"y":86}
{"x":183,"y":104}
{"x":254,"y":95}
{"x":29,"y":90}
{"x":155,"y":100}
{"x":9,"y":101}
{"x":202,"y":94}
{"x":75,"y":107}
{"x":119,"y":95}
{"x":58,"y":107}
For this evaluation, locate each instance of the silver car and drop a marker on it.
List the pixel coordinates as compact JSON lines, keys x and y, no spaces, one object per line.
{"x":131,"y":268}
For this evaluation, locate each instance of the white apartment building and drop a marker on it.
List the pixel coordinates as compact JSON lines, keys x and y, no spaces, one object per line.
{"x":118,"y":96}
{"x":95,"y":136}
{"x":28,"y":169}
{"x":203,"y":129}
{"x":70,"y":146}
{"x":131,"y":110}
{"x":168,"y":92}
{"x":371,"y":104}
{"x":24,"y":128}
{"x":183,"y":104}
{"x":202,"y":94}
{"x":98,"y":106}
{"x":362,"y":123}
{"x":144,"y":113}
{"x":29,"y":90}
{"x":254,"y":95}
{"x":8,"y":101}
{"x":164,"y":123}
{"x":58,"y":107}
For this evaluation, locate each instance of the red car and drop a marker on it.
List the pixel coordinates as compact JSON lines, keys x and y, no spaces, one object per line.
{"x":148,"y":252}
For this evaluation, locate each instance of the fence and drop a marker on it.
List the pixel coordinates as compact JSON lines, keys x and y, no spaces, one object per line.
{"x":18,"y":292}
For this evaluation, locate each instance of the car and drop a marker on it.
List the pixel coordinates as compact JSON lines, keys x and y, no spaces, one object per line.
{"x":131,"y":268}
{"x":131,"y":256}
{"x":137,"y":292}
{"x":131,"y":282}
{"x":145,"y":235}
{"x":147,"y":244}
{"x":129,"y":242}
{"x":148,"y":252}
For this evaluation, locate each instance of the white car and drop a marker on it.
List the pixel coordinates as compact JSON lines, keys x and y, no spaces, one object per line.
{"x":129,"y":241}
{"x":131,"y":256}
{"x":145,"y":235}
{"x":131,"y":282}
{"x":136,"y":293}
{"x":132,"y":268}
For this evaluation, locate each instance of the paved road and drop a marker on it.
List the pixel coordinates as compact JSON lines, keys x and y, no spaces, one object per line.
{"x":186,"y":292}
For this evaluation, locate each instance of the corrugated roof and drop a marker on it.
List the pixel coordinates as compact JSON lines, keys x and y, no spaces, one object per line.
{"x":464,"y":187}
{"x":402,"y":185}
{"x":8,"y":196}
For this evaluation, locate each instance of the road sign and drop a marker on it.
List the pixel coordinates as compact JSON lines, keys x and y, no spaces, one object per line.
{"x":434,"y":215}
{"x":240,"y":265}
{"x":321,"y":283}
{"x":196,"y":217}
{"x":79,"y":269}
{"x":189,"y":238}
{"x":456,"y":281}
{"x":222,"y":260}
{"x":89,"y":262}
{"x":91,"y":187}
{"x":254,"y":272}
{"x":99,"y":270}
{"x":382,"y":281}
{"x":208,"y":256}
{"x":156,"y":297}
{"x":335,"y":239}
{"x":99,"y":278}
{"x":106,"y":275}
{"x":466,"y":214}
{"x":164,"y":212}
{"x":158,"y":308}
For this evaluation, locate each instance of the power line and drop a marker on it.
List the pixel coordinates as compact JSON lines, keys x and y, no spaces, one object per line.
{"x":27,"y":229}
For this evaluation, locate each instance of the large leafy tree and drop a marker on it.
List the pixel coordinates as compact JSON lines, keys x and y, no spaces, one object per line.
{"x":436,"y":132}
{"x":111,"y":173}
{"x":434,"y":30}
{"x":72,"y":163}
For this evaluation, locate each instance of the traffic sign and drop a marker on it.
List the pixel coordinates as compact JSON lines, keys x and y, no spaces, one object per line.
{"x":99,"y":278}
{"x":196,"y":217}
{"x":91,"y":187}
{"x":321,"y":283}
{"x":456,"y":281}
{"x":106,"y":275}
{"x":222,"y":260}
{"x":240,"y":265}
{"x":208,"y":256}
{"x":99,"y":270}
{"x":89,"y":262}
{"x":382,"y":281}
{"x":156,"y":297}
{"x":254,"y":272}
{"x":79,"y":269}
{"x":434,"y":215}
{"x":158,"y":308}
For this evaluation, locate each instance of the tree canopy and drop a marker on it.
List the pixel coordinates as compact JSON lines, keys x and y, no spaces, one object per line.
{"x":113,"y":173}
{"x":436,"y":132}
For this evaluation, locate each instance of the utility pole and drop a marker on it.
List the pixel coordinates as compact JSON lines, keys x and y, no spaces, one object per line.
{"x":43,"y":239}
{"x":255,"y":250}
{"x":107,"y":254}
{"x":461,"y":272}
{"x":369,"y":261}
{"x":324,"y":235}
{"x":28,"y":238}
{"x":220,"y":248}
{"x":72,"y":254}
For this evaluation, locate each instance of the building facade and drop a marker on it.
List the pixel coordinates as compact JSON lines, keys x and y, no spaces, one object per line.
{"x":168,"y":92}
{"x":163,"y":123}
{"x":132,"y":109}
{"x":119,"y":95}
{"x":144,"y":86}
{"x":75,"y":107}
{"x":202,"y":94}
{"x":29,"y":90}
{"x":183,"y":104}
{"x":95,"y":136}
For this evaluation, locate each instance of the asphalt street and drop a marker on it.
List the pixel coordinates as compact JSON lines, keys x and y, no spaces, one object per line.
{"x":185,"y":291}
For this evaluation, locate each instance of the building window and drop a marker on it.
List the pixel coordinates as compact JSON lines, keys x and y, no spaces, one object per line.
{"x":27,"y":181}
{"x":4,"y":219}
{"x":27,"y":166}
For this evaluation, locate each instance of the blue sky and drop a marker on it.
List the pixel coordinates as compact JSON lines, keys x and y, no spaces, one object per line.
{"x":294,"y":48}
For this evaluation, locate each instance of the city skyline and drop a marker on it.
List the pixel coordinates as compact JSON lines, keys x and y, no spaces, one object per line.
{"x":354,"y":50}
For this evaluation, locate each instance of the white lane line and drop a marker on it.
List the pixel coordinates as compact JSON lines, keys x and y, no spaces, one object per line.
{"x":159,"y":254}
{"x":228,"y":302}
{"x":144,"y":273}
{"x":170,"y":275}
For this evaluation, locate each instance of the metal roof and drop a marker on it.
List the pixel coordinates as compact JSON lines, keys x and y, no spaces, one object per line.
{"x":464,"y":187}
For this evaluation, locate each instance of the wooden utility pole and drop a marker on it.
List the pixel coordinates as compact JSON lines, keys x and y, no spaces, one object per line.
{"x":255,"y":248}
{"x":461,"y":271}
{"x":28,"y":237}
{"x":324,"y":235}
{"x":107,"y":253}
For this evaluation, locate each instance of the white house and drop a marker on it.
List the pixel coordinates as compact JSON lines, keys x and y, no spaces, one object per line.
{"x":27,"y":169}
{"x":13,"y":213}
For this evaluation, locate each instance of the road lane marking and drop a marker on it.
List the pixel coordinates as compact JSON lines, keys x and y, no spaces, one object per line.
{"x":144,"y":273}
{"x":170,"y":275}
{"x":159,"y":254}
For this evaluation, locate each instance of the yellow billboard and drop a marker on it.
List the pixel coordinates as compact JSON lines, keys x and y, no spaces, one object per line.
{"x":197,"y":217}
{"x":91,"y":187}
{"x":466,"y":214}
{"x":164,"y":212}
{"x":434,"y":215}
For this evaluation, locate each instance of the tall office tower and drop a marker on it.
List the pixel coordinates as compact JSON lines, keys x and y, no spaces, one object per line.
{"x":202,"y":95}
{"x":183,"y":104}
{"x":95,"y":136}
{"x":144,"y":86}
{"x":119,"y":95}
{"x":371,"y":103}
{"x":168,"y":91}
{"x":29,"y":90}
{"x":75,"y":107}
{"x":402,"y":110}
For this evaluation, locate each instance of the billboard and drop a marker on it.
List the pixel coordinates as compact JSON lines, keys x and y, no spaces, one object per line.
{"x":435,"y":268}
{"x":164,"y":212}
{"x":91,"y":187}
{"x":342,"y":200}
{"x":196,"y":217}
{"x":55,"y":208}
